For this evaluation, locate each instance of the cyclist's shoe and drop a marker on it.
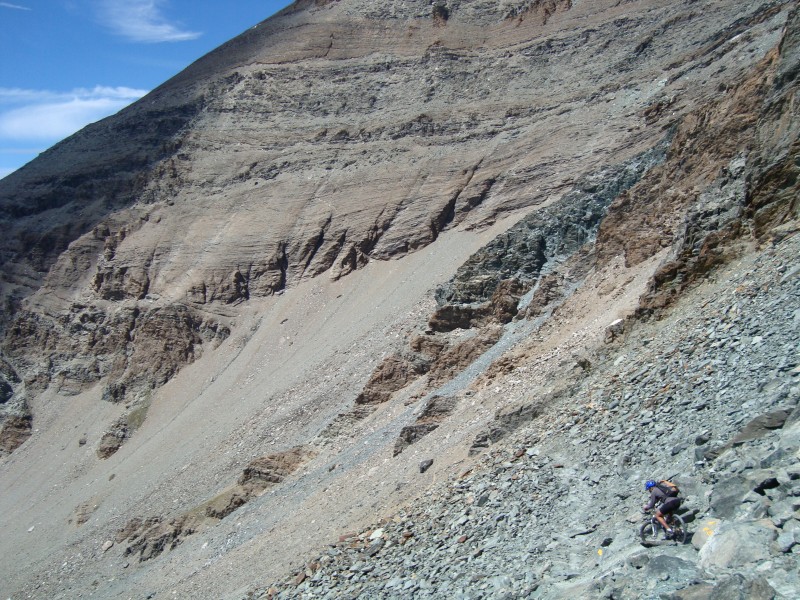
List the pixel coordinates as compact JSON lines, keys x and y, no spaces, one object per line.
{"x":668,"y":534}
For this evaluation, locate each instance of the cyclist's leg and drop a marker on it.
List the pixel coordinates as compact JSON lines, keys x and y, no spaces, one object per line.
{"x":664,"y":513}
{"x":660,"y":517}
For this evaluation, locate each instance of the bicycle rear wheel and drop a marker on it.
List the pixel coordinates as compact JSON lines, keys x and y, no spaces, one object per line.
{"x":678,"y":529}
{"x":649,"y":532}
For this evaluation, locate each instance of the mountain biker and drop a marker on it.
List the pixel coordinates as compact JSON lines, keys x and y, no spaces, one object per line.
{"x":666,"y":498}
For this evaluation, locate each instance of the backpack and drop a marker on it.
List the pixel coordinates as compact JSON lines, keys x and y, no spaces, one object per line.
{"x":669,"y":488}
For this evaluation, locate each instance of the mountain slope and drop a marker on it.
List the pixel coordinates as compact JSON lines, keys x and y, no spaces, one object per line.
{"x":237,"y":311}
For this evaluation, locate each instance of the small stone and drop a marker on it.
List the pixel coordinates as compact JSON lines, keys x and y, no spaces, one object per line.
{"x":375,"y":547}
{"x":679,"y":448}
{"x":108,"y":545}
{"x":425,"y":465}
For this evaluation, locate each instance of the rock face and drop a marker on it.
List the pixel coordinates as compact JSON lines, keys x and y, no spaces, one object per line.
{"x":469,"y":271}
{"x":548,"y":237}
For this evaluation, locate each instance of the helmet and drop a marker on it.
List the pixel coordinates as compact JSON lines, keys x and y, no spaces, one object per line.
{"x":649,"y":483}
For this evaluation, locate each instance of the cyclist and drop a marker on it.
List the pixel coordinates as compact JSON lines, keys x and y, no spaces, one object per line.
{"x":666,"y":498}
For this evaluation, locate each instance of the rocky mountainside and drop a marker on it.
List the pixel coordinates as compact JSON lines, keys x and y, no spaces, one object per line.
{"x":375,"y":285}
{"x":709,"y":393}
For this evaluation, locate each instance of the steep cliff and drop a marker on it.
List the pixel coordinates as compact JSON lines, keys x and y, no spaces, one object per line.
{"x":238,"y":314}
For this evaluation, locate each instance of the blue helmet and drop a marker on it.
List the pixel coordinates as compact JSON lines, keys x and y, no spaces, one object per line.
{"x":649,"y":483}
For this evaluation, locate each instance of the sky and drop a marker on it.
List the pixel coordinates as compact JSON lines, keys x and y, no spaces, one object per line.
{"x":67,"y":63}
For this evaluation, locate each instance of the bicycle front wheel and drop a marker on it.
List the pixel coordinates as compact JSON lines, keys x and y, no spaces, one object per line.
{"x":649,"y":532}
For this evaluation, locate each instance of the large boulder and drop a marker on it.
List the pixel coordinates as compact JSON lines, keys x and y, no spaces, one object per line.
{"x":738,"y":544}
{"x":735,"y":587}
{"x":706,"y":529}
{"x":729,"y":494}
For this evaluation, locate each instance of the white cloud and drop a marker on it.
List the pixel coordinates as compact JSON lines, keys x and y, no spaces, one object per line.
{"x":47,"y":116}
{"x":17,"y":7}
{"x":142,"y":21}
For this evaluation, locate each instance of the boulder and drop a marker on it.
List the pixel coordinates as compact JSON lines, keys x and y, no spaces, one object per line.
{"x":738,"y":544}
{"x":706,"y":529}
{"x":728,"y":495}
{"x":736,"y":587}
{"x":761,"y":426}
{"x":614,"y":330}
{"x":672,"y":568}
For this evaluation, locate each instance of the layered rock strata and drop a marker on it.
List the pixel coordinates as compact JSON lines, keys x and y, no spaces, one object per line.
{"x":343,"y":134}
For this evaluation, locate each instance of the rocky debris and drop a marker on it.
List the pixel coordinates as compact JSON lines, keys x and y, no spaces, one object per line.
{"x":525,"y":522}
{"x":393,"y":374}
{"x":436,"y":410}
{"x":149,"y":538}
{"x":274,"y":468}
{"x":343,"y":423}
{"x":507,"y":420}
{"x":547,"y":291}
{"x":614,"y":330}
{"x":439,"y":357}
{"x":428,"y":345}
{"x":261,"y":474}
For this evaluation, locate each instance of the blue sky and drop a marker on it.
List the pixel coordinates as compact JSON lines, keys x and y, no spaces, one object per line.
{"x":67,"y":63}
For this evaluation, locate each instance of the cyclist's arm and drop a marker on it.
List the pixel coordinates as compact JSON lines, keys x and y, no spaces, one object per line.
{"x":653,"y":500}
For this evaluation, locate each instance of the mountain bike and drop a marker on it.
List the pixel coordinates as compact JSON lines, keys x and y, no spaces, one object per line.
{"x":651,"y":531}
